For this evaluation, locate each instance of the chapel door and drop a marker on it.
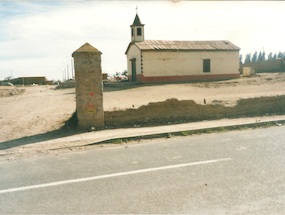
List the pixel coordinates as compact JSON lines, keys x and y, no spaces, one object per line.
{"x":134,"y":72}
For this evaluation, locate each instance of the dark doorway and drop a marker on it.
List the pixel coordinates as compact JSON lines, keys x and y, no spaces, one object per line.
{"x":134,"y":72}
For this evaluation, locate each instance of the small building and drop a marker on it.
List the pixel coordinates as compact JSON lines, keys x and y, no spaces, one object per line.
{"x":29,"y":80}
{"x":248,"y":71}
{"x":178,"y":61}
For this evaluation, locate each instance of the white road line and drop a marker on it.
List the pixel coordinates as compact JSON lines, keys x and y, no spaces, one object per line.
{"x":110,"y":175}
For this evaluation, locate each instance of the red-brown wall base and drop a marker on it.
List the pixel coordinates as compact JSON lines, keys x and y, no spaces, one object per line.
{"x":138,"y":78}
{"x":183,"y":78}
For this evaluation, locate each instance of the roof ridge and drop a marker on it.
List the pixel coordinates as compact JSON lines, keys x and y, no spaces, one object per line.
{"x":187,"y":45}
{"x":189,"y":40}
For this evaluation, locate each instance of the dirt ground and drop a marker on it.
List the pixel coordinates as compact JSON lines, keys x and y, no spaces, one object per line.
{"x":34,"y":110}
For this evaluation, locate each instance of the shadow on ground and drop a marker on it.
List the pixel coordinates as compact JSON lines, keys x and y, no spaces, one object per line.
{"x":117,"y":86}
{"x":52,"y":135}
{"x":68,"y":129}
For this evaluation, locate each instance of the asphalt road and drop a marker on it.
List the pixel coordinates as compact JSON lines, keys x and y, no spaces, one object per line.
{"x":232,"y":172}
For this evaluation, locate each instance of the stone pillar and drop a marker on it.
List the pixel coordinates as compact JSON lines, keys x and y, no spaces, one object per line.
{"x":88,"y":87}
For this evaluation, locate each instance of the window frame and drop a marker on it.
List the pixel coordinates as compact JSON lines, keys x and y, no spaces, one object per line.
{"x":206,"y":65}
{"x":139,"y":31}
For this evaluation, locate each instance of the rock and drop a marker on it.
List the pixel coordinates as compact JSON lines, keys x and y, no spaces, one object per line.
{"x":91,"y":129}
{"x":169,"y":135}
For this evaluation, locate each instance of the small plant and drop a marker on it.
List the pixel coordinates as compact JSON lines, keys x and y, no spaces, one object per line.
{"x":115,"y":108}
{"x":185,"y":133}
{"x":118,"y":141}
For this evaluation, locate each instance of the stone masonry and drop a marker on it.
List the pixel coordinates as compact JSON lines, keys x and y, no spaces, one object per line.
{"x":88,"y":87}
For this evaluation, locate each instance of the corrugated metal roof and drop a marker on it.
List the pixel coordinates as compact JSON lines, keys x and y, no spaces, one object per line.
{"x":187,"y":45}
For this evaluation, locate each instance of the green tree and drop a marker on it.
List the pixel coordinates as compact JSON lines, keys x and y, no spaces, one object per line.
{"x":259,"y":56}
{"x":125,"y":73}
{"x":270,"y":56}
{"x":247,"y":58}
{"x":254,"y":57}
{"x":280,"y":55}
{"x":8,"y":78}
{"x":263,"y":57}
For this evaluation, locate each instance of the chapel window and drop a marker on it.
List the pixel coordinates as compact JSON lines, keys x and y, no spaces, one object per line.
{"x":206,"y":65}
{"x":139,"y":31}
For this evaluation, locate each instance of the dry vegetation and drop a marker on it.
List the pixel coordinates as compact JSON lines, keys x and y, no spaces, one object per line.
{"x":5,"y":91}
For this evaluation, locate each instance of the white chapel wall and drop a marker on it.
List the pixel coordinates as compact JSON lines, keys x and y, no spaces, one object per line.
{"x":165,"y":63}
{"x":134,"y":52}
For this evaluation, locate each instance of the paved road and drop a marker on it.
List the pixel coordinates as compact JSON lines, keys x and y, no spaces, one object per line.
{"x":232,"y":172}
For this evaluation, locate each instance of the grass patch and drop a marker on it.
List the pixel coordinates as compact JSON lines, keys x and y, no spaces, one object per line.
{"x":117,"y":141}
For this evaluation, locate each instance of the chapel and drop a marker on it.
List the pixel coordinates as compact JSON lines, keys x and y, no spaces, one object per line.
{"x":178,"y":61}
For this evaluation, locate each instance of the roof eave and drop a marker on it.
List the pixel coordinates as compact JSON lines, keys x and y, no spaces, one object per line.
{"x":139,"y":25}
{"x":190,"y":50}
{"x":129,"y":46}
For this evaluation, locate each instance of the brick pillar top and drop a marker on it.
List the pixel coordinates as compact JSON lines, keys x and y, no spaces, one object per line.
{"x":86,"y":48}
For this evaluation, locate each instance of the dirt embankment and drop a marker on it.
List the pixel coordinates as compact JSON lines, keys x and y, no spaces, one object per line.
{"x":10,"y":91}
{"x":174,"y":111}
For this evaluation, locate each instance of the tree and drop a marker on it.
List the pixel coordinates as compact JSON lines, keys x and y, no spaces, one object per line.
{"x":125,"y":73}
{"x":280,"y":55}
{"x":270,"y":56}
{"x":254,"y":57}
{"x":247,"y":58}
{"x":260,"y":58}
{"x":263,"y":58}
{"x":8,"y":78}
{"x":275,"y":56}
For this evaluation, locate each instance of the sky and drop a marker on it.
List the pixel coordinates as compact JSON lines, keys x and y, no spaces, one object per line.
{"x":38,"y":37}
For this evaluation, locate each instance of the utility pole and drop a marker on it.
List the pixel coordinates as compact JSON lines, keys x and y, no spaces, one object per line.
{"x":67,"y":72}
{"x":72,"y":75}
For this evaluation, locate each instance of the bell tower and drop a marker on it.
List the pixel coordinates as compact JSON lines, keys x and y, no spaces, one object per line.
{"x":137,"y":30}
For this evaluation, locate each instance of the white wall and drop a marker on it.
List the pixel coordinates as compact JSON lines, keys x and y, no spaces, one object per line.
{"x":134,"y":52}
{"x":135,"y":37}
{"x":248,"y":71}
{"x":165,"y":63}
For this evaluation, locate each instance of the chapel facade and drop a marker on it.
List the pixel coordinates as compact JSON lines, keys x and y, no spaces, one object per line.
{"x":178,"y":61}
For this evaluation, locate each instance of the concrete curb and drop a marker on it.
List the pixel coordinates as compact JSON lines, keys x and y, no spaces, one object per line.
{"x":97,"y":137}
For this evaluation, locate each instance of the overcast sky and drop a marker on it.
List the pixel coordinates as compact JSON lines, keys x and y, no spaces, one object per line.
{"x":38,"y":37}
